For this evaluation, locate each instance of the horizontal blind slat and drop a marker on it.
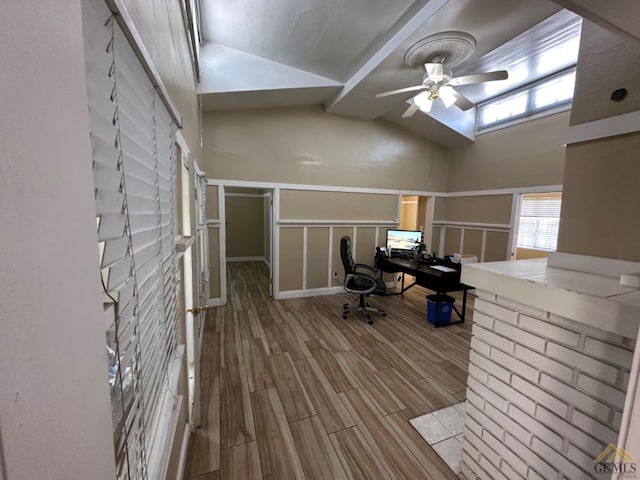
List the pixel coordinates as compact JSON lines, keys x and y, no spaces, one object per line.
{"x":102,"y":125}
{"x":142,"y":222}
{"x":117,"y":273}
{"x":145,"y":274}
{"x":104,"y":153}
{"x":135,"y":151}
{"x":147,"y":254}
{"x":108,"y":202}
{"x":138,"y":98}
{"x":105,"y":178}
{"x":126,"y":295}
{"x":142,"y":188}
{"x":114,"y":251}
{"x":137,"y":130}
{"x":111,"y":227}
{"x":100,"y":77}
{"x":141,"y":205}
{"x":141,"y":240}
{"x":135,"y":168}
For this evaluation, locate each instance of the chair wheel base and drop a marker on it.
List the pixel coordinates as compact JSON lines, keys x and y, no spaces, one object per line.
{"x":365,"y":310}
{"x":362,"y":307}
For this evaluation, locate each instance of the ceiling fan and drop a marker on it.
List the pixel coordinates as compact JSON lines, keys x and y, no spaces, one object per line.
{"x":438,"y":83}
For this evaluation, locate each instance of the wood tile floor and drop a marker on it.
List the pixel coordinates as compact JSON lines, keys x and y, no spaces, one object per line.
{"x":290,"y":390}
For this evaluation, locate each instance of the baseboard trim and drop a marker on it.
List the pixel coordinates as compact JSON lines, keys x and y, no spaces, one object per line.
{"x":246,"y":259}
{"x":310,"y":292}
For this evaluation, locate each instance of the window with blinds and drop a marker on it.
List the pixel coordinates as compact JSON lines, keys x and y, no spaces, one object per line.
{"x":132,"y":138}
{"x":539,"y":221}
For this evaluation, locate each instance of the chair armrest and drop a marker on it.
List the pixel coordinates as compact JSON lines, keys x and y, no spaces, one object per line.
{"x":366,"y":267}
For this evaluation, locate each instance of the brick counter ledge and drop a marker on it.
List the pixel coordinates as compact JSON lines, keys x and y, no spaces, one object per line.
{"x":550,"y":363}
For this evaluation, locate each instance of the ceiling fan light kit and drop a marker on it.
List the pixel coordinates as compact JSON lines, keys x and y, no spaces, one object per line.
{"x":436,"y":54}
{"x":424,"y":101}
{"x":447,"y":95}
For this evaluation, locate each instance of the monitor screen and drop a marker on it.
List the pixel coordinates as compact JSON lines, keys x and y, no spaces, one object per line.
{"x":403,"y":239}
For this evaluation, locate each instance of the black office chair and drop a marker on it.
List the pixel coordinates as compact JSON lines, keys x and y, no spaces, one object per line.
{"x":358,"y":282}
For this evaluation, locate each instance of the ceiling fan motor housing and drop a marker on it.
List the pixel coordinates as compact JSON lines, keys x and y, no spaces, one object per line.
{"x":430,"y":80}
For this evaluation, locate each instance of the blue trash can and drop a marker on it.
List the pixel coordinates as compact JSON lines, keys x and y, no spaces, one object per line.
{"x":440,"y":305}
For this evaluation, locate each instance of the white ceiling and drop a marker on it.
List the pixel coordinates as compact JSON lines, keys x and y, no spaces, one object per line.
{"x":325,"y":37}
{"x":340,"y":53}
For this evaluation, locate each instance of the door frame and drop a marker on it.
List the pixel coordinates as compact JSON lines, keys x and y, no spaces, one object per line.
{"x":270,"y":194}
{"x":187,"y":251}
{"x":427,"y":220}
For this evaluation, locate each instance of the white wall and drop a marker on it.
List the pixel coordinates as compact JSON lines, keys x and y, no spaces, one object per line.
{"x":54,"y":403}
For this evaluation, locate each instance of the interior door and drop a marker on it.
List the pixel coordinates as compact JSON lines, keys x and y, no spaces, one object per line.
{"x":200,"y":276}
{"x":190,"y":232}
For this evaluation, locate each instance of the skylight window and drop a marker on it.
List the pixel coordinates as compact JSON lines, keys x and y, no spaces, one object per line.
{"x":513,"y":106}
{"x":549,"y":95}
{"x":559,"y":90}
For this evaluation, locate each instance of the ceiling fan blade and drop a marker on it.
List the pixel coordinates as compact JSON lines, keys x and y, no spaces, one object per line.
{"x":479,"y":78}
{"x":413,"y":108}
{"x":401,"y":90}
{"x":435,"y":71}
{"x":462,"y":102}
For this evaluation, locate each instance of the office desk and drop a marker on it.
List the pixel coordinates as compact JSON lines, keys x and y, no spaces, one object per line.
{"x":428,"y":277}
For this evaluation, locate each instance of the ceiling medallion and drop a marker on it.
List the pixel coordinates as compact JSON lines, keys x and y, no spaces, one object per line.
{"x":453,"y":47}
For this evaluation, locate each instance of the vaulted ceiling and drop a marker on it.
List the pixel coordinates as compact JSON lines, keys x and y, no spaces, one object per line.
{"x":340,"y":53}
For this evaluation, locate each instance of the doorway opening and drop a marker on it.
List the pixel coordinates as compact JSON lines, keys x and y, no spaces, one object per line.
{"x":249,"y":238}
{"x":416,"y":213}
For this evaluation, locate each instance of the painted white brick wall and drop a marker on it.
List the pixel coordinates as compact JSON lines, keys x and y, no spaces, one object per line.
{"x":544,"y":393}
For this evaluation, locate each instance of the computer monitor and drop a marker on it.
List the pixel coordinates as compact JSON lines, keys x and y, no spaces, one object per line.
{"x":399,"y":241}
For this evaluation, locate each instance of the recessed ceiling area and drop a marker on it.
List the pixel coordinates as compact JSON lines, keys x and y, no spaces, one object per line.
{"x":341,"y":53}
